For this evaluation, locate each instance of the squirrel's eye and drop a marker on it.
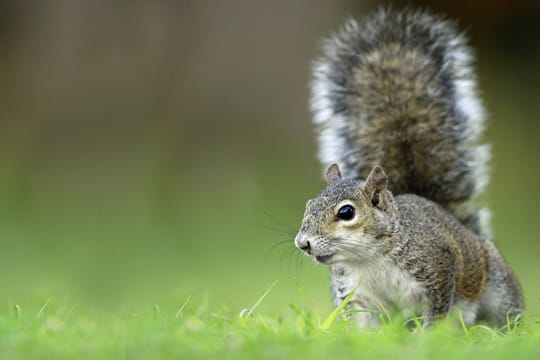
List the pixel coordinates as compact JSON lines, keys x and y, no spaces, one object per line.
{"x":346,"y":212}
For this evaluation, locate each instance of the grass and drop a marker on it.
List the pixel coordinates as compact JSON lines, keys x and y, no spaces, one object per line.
{"x":120,"y":243}
{"x":193,"y":330}
{"x":120,"y":212}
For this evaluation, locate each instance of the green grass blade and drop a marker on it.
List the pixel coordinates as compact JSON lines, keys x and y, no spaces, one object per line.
{"x":182,"y":307}
{"x":337,"y":311}
{"x":248,"y":312}
{"x":42,"y":309}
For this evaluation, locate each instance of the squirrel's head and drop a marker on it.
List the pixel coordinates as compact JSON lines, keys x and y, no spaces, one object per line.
{"x":349,"y":221}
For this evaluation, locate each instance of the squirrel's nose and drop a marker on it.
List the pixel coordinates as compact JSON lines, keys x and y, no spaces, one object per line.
{"x":306,"y":247}
{"x":303,"y":244}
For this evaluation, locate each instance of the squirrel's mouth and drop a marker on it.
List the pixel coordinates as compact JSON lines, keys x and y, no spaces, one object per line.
{"x":323,"y":259}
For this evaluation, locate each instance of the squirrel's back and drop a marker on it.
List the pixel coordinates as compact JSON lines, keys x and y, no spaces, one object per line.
{"x":398,"y":90}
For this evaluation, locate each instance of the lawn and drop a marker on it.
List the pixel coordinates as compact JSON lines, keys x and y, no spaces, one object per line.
{"x":140,"y":272}
{"x":155,"y":271}
{"x":149,"y":200}
{"x":193,"y":330}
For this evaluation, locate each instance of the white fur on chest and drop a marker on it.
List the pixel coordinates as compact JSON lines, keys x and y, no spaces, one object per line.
{"x":380,"y":285}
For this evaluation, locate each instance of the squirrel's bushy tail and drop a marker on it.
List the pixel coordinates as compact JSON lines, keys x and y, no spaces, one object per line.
{"x":398,"y":90}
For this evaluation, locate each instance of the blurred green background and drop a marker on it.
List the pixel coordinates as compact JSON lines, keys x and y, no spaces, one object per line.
{"x":154,"y":150}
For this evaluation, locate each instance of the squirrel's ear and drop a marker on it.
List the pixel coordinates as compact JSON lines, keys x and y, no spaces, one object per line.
{"x":333,"y":175}
{"x":376,"y":184}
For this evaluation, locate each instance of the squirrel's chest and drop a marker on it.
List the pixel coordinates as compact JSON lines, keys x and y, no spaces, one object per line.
{"x":378,"y":283}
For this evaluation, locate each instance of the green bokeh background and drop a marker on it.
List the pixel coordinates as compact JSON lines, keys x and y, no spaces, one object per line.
{"x":154,"y":150}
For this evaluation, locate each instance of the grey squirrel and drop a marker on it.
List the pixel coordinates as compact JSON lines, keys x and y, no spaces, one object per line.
{"x":397,"y":92}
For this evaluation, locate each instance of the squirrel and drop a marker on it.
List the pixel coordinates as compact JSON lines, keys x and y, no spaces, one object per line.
{"x":397,"y":116}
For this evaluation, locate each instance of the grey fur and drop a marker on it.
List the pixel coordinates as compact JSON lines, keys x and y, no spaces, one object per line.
{"x":406,"y":253}
{"x":397,"y":90}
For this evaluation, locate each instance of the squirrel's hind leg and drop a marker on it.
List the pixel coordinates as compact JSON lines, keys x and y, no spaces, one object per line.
{"x":501,"y":299}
